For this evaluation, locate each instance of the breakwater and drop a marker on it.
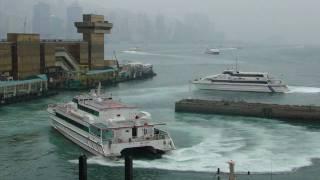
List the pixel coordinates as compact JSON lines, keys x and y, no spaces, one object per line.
{"x":241,"y":108}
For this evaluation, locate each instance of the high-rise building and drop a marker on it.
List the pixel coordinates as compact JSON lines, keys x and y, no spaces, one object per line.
{"x":3,"y":25}
{"x":41,"y":19}
{"x":56,"y":27}
{"x":161,"y":31}
{"x":74,"y":14}
{"x":26,"y":54}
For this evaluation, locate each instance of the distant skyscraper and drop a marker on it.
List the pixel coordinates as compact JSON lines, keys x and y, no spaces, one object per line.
{"x":3,"y":25}
{"x":57,"y":29}
{"x":41,"y":19}
{"x":74,"y":14}
{"x":161,"y":28}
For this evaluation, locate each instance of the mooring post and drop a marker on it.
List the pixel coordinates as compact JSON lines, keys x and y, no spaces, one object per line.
{"x":82,"y":167}
{"x":218,"y":174}
{"x":128,"y":168}
{"x":232,"y":176}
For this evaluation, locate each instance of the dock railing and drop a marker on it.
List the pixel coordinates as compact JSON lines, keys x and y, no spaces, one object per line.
{"x":160,"y":134}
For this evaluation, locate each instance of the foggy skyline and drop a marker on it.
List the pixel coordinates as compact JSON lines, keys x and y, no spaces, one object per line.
{"x":285,"y":21}
{"x":292,"y":21}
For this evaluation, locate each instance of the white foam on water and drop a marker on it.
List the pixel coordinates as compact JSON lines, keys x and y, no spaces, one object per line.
{"x":225,"y":49}
{"x":302,"y":89}
{"x":156,"y":54}
{"x":255,"y":148}
{"x":140,"y":53}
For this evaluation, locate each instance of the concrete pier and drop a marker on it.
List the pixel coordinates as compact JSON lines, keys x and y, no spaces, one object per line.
{"x":241,"y":108}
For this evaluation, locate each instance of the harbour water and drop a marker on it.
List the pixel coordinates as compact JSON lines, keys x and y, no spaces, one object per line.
{"x":31,"y":149}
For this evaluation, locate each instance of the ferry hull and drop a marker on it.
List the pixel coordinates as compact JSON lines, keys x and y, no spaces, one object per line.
{"x":266,"y":88}
{"x":76,"y":137}
{"x":108,"y":150}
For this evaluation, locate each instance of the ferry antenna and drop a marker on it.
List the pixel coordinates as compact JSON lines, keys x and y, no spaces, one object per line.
{"x":237,"y":62}
{"x":99,"y":89}
{"x":236,"y":56}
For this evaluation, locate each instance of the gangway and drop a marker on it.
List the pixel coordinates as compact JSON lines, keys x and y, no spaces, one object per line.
{"x":72,"y":64}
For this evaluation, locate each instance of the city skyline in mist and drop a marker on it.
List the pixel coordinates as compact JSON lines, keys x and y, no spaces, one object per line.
{"x":283,"y":22}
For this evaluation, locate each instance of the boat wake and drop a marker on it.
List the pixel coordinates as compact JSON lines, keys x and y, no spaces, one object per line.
{"x":301,"y":89}
{"x":206,"y":142}
{"x":254,"y":148}
{"x":140,"y":53}
{"x":226,"y":49}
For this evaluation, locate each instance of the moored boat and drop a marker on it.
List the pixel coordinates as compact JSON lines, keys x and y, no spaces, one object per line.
{"x":232,"y":80}
{"x":213,"y":51}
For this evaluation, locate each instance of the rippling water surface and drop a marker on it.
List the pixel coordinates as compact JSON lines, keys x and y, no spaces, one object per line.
{"x":30,"y":149}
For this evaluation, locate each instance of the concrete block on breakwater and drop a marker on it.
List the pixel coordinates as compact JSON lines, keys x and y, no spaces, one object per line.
{"x":241,"y":108}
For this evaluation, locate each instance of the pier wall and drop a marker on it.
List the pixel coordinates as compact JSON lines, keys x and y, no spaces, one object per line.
{"x":5,"y":58}
{"x":249,"y":109}
{"x":47,"y":56}
{"x":26,"y":55}
{"x":68,"y":64}
{"x":77,"y":49}
{"x":16,"y":91}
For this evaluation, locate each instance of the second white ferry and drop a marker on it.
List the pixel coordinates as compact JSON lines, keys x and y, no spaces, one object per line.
{"x":213,"y":51}
{"x":106,"y":127}
{"x":232,"y":80}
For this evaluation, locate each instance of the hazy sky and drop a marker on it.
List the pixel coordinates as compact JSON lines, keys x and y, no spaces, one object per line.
{"x":253,"y":20}
{"x":293,"y":21}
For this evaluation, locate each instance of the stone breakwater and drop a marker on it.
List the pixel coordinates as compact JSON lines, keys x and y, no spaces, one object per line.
{"x":241,"y":108}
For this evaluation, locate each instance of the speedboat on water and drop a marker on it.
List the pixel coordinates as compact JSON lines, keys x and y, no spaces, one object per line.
{"x":135,"y":49}
{"x":107,"y":127}
{"x":233,"y":80}
{"x":213,"y":51}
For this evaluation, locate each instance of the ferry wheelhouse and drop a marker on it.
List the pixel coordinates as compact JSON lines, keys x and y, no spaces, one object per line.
{"x":106,"y":127}
{"x":232,"y":80}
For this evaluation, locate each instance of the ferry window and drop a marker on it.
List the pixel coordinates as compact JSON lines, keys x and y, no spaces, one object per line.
{"x":83,"y":108}
{"x":241,"y":81}
{"x":107,"y":135}
{"x":227,"y":72}
{"x":249,"y":75}
{"x":95,"y":131}
{"x":75,"y":100}
{"x":134,"y":132}
{"x":72,"y":122}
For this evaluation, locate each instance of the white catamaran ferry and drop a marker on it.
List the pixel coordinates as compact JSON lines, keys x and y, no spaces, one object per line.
{"x":213,"y":51}
{"x":106,"y":127}
{"x":233,"y":80}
